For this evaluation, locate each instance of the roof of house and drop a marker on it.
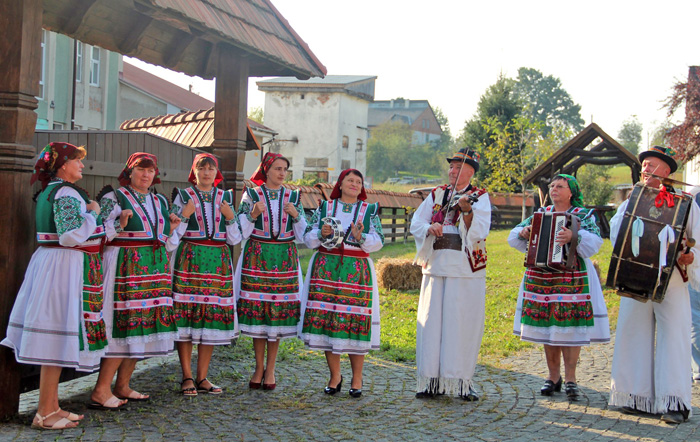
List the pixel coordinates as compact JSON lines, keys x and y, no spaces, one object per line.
{"x":188,"y":35}
{"x":163,"y":90}
{"x":193,"y":129}
{"x":361,"y":86}
{"x":382,"y":111}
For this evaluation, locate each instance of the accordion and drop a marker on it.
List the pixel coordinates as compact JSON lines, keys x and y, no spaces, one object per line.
{"x":543,"y":251}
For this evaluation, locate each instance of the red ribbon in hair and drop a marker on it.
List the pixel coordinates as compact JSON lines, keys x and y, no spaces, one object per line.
{"x":664,"y":196}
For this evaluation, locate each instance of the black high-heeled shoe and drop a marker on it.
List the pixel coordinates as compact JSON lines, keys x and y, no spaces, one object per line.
{"x":355,"y":392}
{"x":549,"y":387}
{"x":336,"y":389}
{"x":571,"y":390}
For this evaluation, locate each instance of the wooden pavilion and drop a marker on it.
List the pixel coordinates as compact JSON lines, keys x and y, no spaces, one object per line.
{"x":229,"y":40}
{"x":578,"y":152}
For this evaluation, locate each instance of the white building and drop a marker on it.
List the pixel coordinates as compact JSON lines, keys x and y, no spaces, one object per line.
{"x":321,"y":122}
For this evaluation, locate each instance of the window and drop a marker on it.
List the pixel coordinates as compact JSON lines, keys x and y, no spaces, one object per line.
{"x":322,"y":176}
{"x":346,"y":141}
{"x":345,"y":164}
{"x":78,"y":127}
{"x":426,"y":137}
{"x":316,"y":162}
{"x":95,"y":66}
{"x":58,"y":126}
{"x":79,"y":62}
{"x":425,"y":124}
{"x":43,"y":64}
{"x":358,"y":145}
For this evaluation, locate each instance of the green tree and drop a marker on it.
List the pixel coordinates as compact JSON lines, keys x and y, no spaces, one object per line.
{"x":513,"y":152}
{"x":595,"y":184}
{"x":499,"y":102}
{"x":256,"y":114}
{"x":630,"y":134}
{"x":440,"y":149}
{"x":386,"y":149}
{"x":545,"y":100}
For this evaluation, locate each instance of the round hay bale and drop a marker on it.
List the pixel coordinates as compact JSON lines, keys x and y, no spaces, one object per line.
{"x":398,"y":274}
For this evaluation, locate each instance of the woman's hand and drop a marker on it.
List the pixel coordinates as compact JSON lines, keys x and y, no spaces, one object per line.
{"x":94,"y":206}
{"x":188,"y":210}
{"x":227,"y":211}
{"x":124,"y":217}
{"x":525,"y":233}
{"x":435,"y":229}
{"x":356,"y":229}
{"x":258,"y":208}
{"x":291,"y":210}
{"x":174,"y":223}
{"x":564,"y":236}
{"x":326,"y":230}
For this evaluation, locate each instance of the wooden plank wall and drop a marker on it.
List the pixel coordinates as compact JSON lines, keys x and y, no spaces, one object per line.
{"x":107,"y":152}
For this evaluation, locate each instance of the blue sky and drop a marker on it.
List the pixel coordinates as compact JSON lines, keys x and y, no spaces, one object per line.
{"x":615,"y":58}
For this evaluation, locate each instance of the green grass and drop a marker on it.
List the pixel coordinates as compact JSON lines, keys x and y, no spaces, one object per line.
{"x":620,"y":175}
{"x":503,"y":276}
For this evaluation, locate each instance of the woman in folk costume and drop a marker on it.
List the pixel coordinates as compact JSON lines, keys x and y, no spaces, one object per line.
{"x":562,"y":310}
{"x":340,"y":303}
{"x":138,"y":290}
{"x":205,"y":307}
{"x":268,"y":275}
{"x":57,"y":319}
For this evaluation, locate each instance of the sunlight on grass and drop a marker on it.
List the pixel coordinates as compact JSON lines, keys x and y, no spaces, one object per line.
{"x":503,"y":277}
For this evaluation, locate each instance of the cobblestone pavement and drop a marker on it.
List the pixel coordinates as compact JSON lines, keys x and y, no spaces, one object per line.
{"x":511,"y":407}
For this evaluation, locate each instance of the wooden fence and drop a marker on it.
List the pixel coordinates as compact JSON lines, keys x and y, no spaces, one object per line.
{"x":107,"y":152}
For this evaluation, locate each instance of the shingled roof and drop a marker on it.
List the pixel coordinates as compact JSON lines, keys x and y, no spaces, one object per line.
{"x":186,"y":35}
{"x":193,"y":129}
{"x":578,"y":152}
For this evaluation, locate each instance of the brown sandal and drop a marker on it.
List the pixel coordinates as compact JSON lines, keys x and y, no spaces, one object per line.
{"x":60,"y":424}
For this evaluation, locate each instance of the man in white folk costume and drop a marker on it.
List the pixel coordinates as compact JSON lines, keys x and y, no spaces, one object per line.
{"x":648,"y":376}
{"x":450,"y":231}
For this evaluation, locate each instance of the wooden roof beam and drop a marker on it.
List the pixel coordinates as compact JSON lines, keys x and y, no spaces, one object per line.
{"x":174,"y":53}
{"x":135,"y":34}
{"x":77,"y":15}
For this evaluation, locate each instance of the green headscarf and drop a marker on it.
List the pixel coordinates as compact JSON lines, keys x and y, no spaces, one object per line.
{"x":576,"y":197}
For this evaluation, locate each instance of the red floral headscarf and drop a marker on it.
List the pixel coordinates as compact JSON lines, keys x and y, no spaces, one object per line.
{"x":193,"y":179}
{"x":50,"y":160}
{"x":335,"y":194}
{"x":133,"y":161}
{"x":260,"y":175}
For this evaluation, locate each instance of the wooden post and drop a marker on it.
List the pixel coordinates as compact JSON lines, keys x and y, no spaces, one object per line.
{"x":20,"y":43}
{"x":230,"y":119}
{"x":393,"y":224}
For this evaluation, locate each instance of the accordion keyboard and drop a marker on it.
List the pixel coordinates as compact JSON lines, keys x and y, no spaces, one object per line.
{"x":558,"y":249}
